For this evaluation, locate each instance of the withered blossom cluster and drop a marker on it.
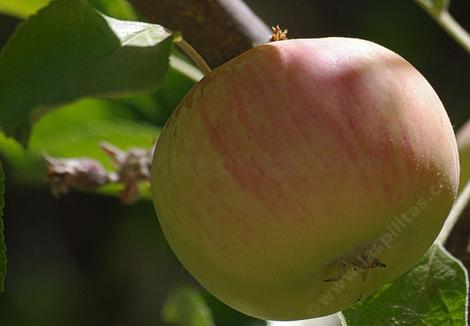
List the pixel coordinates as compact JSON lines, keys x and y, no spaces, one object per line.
{"x":278,"y":34}
{"x":86,"y":174}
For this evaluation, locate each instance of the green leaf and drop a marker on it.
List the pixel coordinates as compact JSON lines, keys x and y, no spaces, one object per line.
{"x":158,"y":106}
{"x":186,"y":307}
{"x":69,"y":51}
{"x":121,"y":9}
{"x":434,"y":292}
{"x":21,"y":8}
{"x":3,"y":255}
{"x":76,"y":130}
{"x":23,"y":166}
{"x":178,"y":81}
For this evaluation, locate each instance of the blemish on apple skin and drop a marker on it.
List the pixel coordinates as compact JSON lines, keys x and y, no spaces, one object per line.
{"x":360,"y":259}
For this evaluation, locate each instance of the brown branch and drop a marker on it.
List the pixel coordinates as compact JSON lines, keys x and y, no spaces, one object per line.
{"x":218,"y":29}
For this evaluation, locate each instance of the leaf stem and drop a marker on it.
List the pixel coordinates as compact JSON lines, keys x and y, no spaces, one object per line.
{"x":460,"y":205}
{"x":193,"y":54}
{"x":448,"y":23}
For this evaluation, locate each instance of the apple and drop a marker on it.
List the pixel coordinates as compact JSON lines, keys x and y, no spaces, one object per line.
{"x":302,"y":175}
{"x":463,"y":141}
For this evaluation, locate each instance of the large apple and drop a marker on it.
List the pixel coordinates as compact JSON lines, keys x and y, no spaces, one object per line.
{"x":299,"y":177}
{"x":463,"y":140}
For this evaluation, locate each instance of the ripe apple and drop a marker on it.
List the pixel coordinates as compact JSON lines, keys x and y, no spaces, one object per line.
{"x":463,"y":141}
{"x":299,"y":177}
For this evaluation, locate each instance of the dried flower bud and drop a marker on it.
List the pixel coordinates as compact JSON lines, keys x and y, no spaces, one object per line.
{"x":133,"y":166}
{"x":77,"y":173}
{"x":278,"y":34}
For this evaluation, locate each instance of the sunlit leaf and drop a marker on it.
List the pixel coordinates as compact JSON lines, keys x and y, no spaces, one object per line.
{"x":121,"y":9}
{"x":433,"y":292}
{"x":76,"y":130}
{"x":69,"y":51}
{"x":21,"y":8}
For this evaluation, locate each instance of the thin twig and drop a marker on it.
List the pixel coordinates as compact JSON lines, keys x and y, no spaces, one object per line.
{"x":448,"y":23}
{"x":462,"y":202}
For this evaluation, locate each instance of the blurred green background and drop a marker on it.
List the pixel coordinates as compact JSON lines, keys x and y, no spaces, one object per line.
{"x":86,"y":259}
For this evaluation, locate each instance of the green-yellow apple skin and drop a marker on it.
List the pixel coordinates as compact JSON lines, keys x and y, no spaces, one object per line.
{"x":463,"y":141}
{"x":285,"y":161}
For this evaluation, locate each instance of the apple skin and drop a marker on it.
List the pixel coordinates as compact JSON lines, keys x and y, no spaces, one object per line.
{"x":463,"y":141}
{"x":291,"y":156}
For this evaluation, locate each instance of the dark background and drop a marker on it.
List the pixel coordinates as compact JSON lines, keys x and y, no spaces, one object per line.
{"x":86,"y":259}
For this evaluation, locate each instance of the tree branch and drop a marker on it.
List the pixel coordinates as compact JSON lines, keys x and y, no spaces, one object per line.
{"x":447,"y":22}
{"x":218,"y":29}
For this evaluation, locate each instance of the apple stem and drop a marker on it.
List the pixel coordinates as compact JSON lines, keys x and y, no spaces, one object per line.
{"x":193,"y":54}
